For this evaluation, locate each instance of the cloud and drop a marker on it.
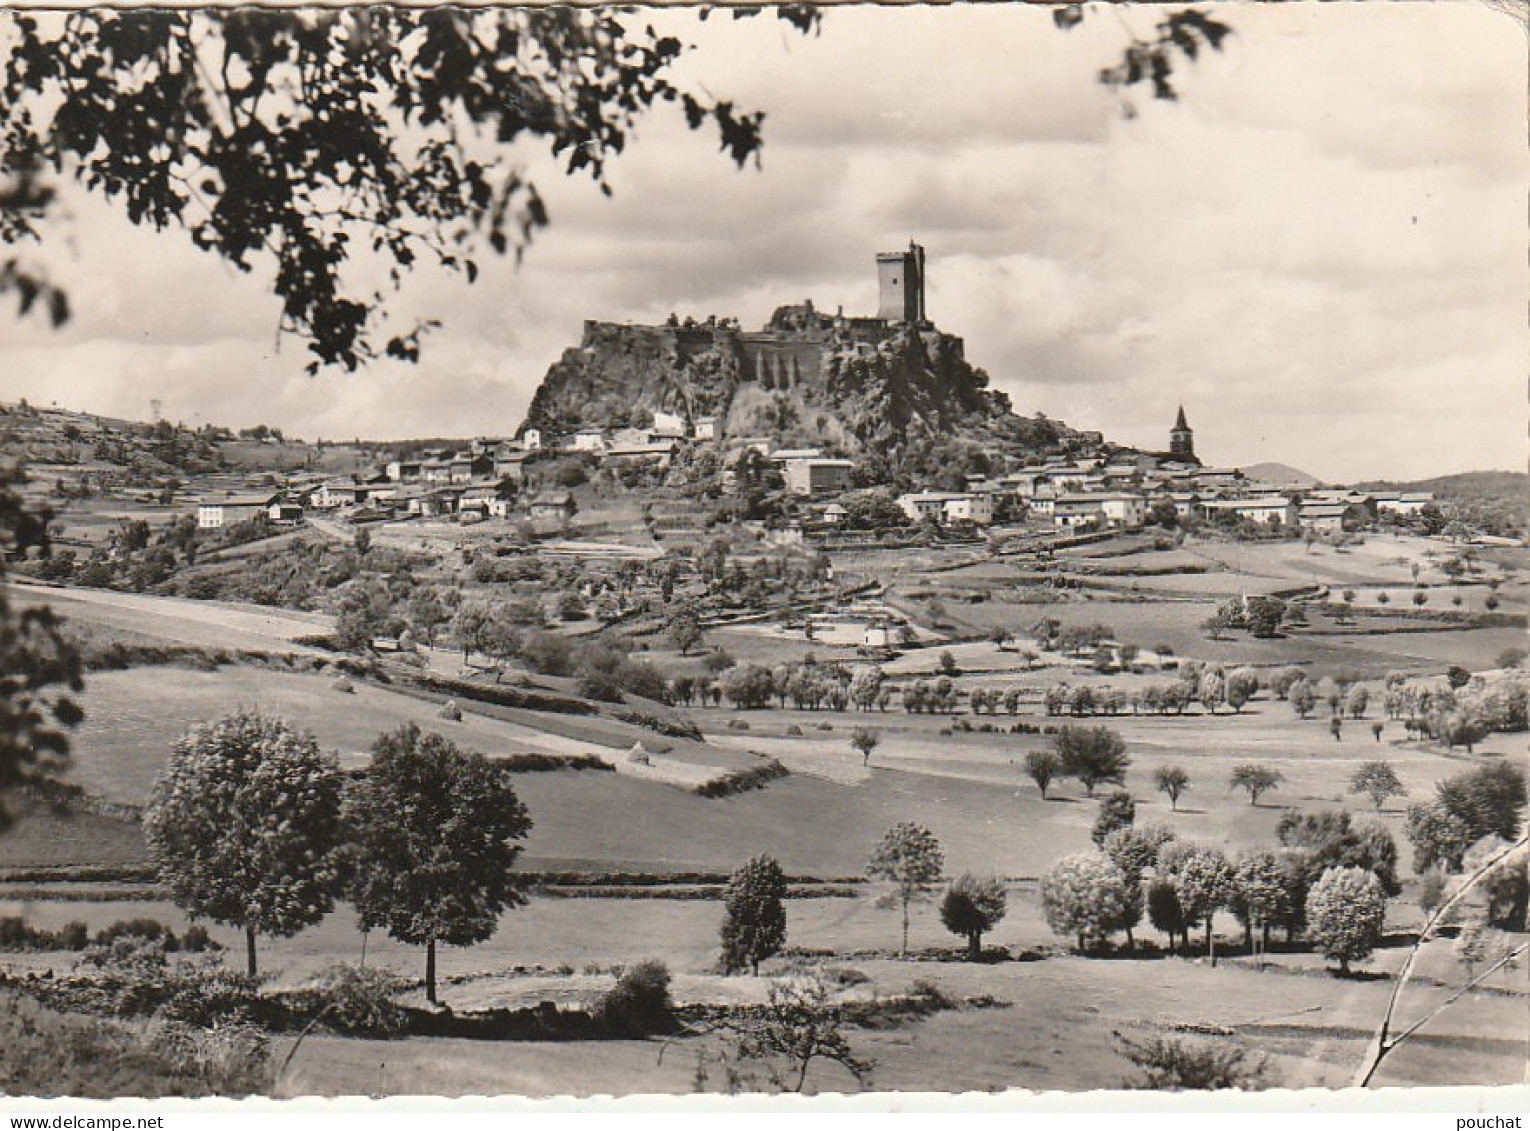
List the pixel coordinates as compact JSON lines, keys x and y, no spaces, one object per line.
{"x":1319,"y":249}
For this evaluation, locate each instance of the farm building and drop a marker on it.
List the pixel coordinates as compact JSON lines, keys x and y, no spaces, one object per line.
{"x":231,"y":510}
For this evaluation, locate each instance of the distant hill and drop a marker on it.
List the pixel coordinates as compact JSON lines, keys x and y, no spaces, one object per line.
{"x":1494,"y":502}
{"x":1470,"y":485}
{"x":1282,"y":473}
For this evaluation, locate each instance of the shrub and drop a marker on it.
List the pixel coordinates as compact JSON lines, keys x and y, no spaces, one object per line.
{"x":136,"y":929}
{"x":47,"y":1052}
{"x":1177,"y":1064}
{"x":741,"y":781}
{"x":639,"y":1004}
{"x":196,"y":939}
{"x":356,"y":1000}
{"x":227,"y":1059}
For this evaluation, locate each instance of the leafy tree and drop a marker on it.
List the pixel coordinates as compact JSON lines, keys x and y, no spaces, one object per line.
{"x":1135,"y":849}
{"x":1508,"y":892}
{"x":685,"y":629}
{"x":1042,"y":766}
{"x":1165,"y":912}
{"x":1345,"y":911}
{"x":747,"y":686}
{"x":1117,"y":811}
{"x":1242,"y":685}
{"x":1284,"y":679}
{"x":1458,"y":677}
{"x":1212,"y":691}
{"x":1258,"y":780}
{"x":866,"y":740}
{"x":427,"y":612}
{"x":754,"y":914}
{"x":972,"y":907}
{"x":1171,"y":780}
{"x":1489,"y":800}
{"x":244,"y":827}
{"x":1259,"y":893}
{"x":910,"y":859}
{"x":1332,"y":840}
{"x":1356,"y":701}
{"x":1378,"y":781}
{"x":39,"y":665}
{"x":435,"y":836}
{"x":1217,"y":624}
{"x":866,"y":686}
{"x":1264,"y":616}
{"x":1202,"y":879}
{"x":308,"y":142}
{"x":1302,"y":697}
{"x":1085,"y":898}
{"x":1092,"y":754}
{"x":1431,"y":891}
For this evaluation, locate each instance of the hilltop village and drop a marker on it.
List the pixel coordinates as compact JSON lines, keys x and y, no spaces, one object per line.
{"x":1077,"y":483}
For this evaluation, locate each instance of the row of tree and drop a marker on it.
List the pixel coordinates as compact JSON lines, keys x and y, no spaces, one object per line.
{"x":250,"y":825}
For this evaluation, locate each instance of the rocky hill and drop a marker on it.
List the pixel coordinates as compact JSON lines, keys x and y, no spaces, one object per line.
{"x":855,"y":385}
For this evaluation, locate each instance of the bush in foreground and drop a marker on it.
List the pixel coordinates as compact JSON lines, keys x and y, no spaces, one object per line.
{"x":639,"y":1004}
{"x":44,"y":1052}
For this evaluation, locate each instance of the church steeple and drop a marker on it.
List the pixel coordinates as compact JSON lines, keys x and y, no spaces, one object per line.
{"x":1182,"y":437}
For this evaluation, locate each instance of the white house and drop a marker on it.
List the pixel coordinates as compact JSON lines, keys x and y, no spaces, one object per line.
{"x":214,"y":514}
{"x":1410,"y":502}
{"x":812,"y":476}
{"x":1272,"y":510}
{"x":1114,"y":508}
{"x":706,"y":428}
{"x":336,"y":493}
{"x":668,"y":423}
{"x":589,"y":440}
{"x":948,"y":506}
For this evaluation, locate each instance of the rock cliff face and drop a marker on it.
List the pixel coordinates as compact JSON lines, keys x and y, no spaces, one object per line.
{"x":858,"y":385}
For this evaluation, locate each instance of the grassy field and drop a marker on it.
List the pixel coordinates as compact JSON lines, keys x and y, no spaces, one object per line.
{"x":177,"y":620}
{"x":1055,"y":1032}
{"x":824,"y":819}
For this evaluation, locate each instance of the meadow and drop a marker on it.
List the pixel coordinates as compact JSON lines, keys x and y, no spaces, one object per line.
{"x":965,"y":783}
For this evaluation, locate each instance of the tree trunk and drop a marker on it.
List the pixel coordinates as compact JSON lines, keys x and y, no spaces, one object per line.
{"x":249,"y":949}
{"x":903,"y":949}
{"x":1211,"y":946}
{"x":1248,"y":935}
{"x":974,"y":945}
{"x":430,"y":971}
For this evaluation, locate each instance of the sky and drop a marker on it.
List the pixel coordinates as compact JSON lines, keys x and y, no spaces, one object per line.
{"x":1319,"y":250}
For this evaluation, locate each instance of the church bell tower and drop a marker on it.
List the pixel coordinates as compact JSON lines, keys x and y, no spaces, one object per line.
{"x":1182,"y":437}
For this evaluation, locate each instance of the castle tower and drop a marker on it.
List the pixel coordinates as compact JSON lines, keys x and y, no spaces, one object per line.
{"x":1182,"y":437}
{"x":900,"y":275}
